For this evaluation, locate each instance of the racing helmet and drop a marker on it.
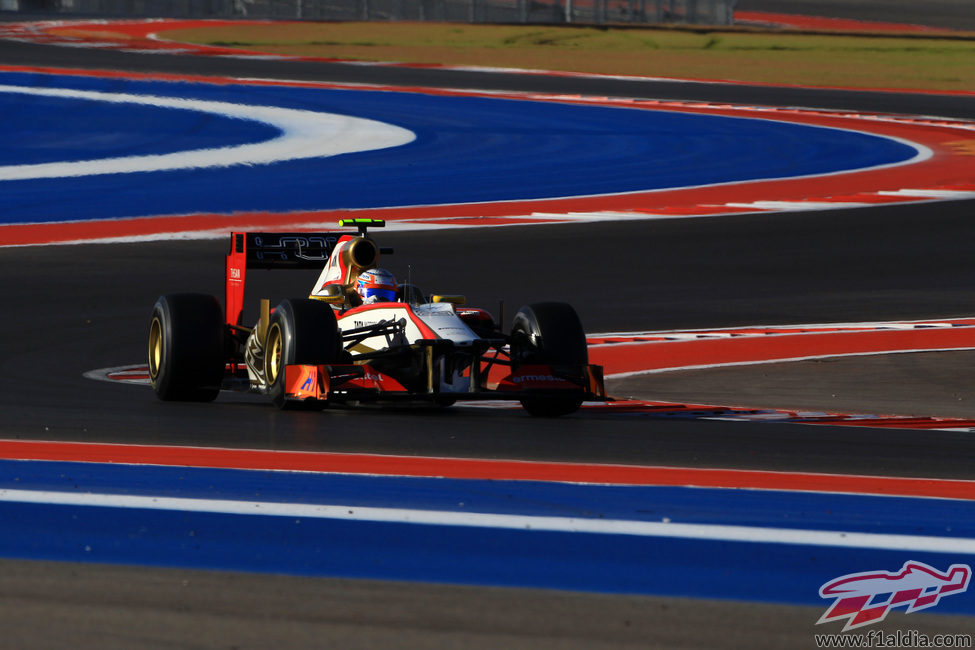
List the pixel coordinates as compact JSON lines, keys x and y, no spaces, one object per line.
{"x":376,"y":285}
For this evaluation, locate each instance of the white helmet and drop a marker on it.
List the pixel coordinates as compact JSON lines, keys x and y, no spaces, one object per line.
{"x":376,"y":285}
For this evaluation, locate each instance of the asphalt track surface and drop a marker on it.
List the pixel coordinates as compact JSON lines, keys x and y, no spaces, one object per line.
{"x":74,"y":308}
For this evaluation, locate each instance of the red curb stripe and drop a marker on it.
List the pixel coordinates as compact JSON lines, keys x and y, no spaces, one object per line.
{"x":464,"y":468}
{"x":832,"y":24}
{"x":653,"y":352}
{"x":619,"y":358}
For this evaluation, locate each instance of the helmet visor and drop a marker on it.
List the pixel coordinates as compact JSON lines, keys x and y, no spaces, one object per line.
{"x":376,"y":294}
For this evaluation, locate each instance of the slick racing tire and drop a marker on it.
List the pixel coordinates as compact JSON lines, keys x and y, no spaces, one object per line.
{"x":186,"y":347}
{"x":299,"y":331}
{"x":549,"y":333}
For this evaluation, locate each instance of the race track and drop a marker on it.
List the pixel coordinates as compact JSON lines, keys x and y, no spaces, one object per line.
{"x":76,"y":308}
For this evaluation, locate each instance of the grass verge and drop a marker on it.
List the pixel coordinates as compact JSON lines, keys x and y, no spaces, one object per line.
{"x":927,"y":63}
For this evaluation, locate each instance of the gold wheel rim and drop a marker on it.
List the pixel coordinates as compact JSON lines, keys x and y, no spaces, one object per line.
{"x":272,"y":354}
{"x":155,"y":347}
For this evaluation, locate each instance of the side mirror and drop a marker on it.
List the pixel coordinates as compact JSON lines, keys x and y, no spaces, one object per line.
{"x":331,"y":293}
{"x":410,"y":294}
{"x":453,"y":300}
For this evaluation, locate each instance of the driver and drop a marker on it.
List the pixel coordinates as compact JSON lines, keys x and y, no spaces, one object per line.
{"x":376,"y":285}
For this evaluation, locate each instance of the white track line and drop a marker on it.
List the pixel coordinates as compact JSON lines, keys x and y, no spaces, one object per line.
{"x":303,"y":134}
{"x":913,"y":543}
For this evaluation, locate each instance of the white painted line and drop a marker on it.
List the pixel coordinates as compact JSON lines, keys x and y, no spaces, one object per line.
{"x":303,"y":134}
{"x":663,"y":338}
{"x":794,"y":206}
{"x":85,"y":44}
{"x":932,"y":194}
{"x":256,"y":57}
{"x":602,"y":215}
{"x":758,"y":362}
{"x":756,"y":534}
{"x":158,"y":50}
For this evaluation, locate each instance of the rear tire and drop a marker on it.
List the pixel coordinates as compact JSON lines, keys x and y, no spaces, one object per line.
{"x":549,"y":333}
{"x":300,"y":331}
{"x":186,"y":347}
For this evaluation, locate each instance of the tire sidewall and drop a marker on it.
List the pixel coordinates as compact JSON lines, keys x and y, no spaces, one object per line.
{"x":549,"y":333}
{"x":190,"y":364}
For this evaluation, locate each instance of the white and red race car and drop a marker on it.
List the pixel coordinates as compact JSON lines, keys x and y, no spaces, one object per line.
{"x":328,"y":348}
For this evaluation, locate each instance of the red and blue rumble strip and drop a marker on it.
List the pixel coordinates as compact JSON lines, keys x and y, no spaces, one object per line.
{"x":762,"y":536}
{"x":428,"y":158}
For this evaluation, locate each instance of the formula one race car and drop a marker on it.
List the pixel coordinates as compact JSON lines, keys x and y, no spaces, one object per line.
{"x":361,"y":337}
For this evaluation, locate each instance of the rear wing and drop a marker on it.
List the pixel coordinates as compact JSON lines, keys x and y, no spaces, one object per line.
{"x":279,"y":250}
{"x":271,"y":250}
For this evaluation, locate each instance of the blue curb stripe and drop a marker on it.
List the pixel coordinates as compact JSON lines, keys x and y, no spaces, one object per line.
{"x":468,"y":149}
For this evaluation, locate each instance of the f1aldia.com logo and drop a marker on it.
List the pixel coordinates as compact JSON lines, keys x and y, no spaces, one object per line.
{"x":866,"y":598}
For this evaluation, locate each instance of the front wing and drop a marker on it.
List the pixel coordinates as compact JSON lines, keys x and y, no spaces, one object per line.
{"x":342,"y":383}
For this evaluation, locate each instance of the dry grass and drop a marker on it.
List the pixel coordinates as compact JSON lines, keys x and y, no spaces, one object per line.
{"x":847,"y":61}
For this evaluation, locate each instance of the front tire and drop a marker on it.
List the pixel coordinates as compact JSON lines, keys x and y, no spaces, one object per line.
{"x":300,"y":331}
{"x":186,"y":347}
{"x":549,"y":333}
